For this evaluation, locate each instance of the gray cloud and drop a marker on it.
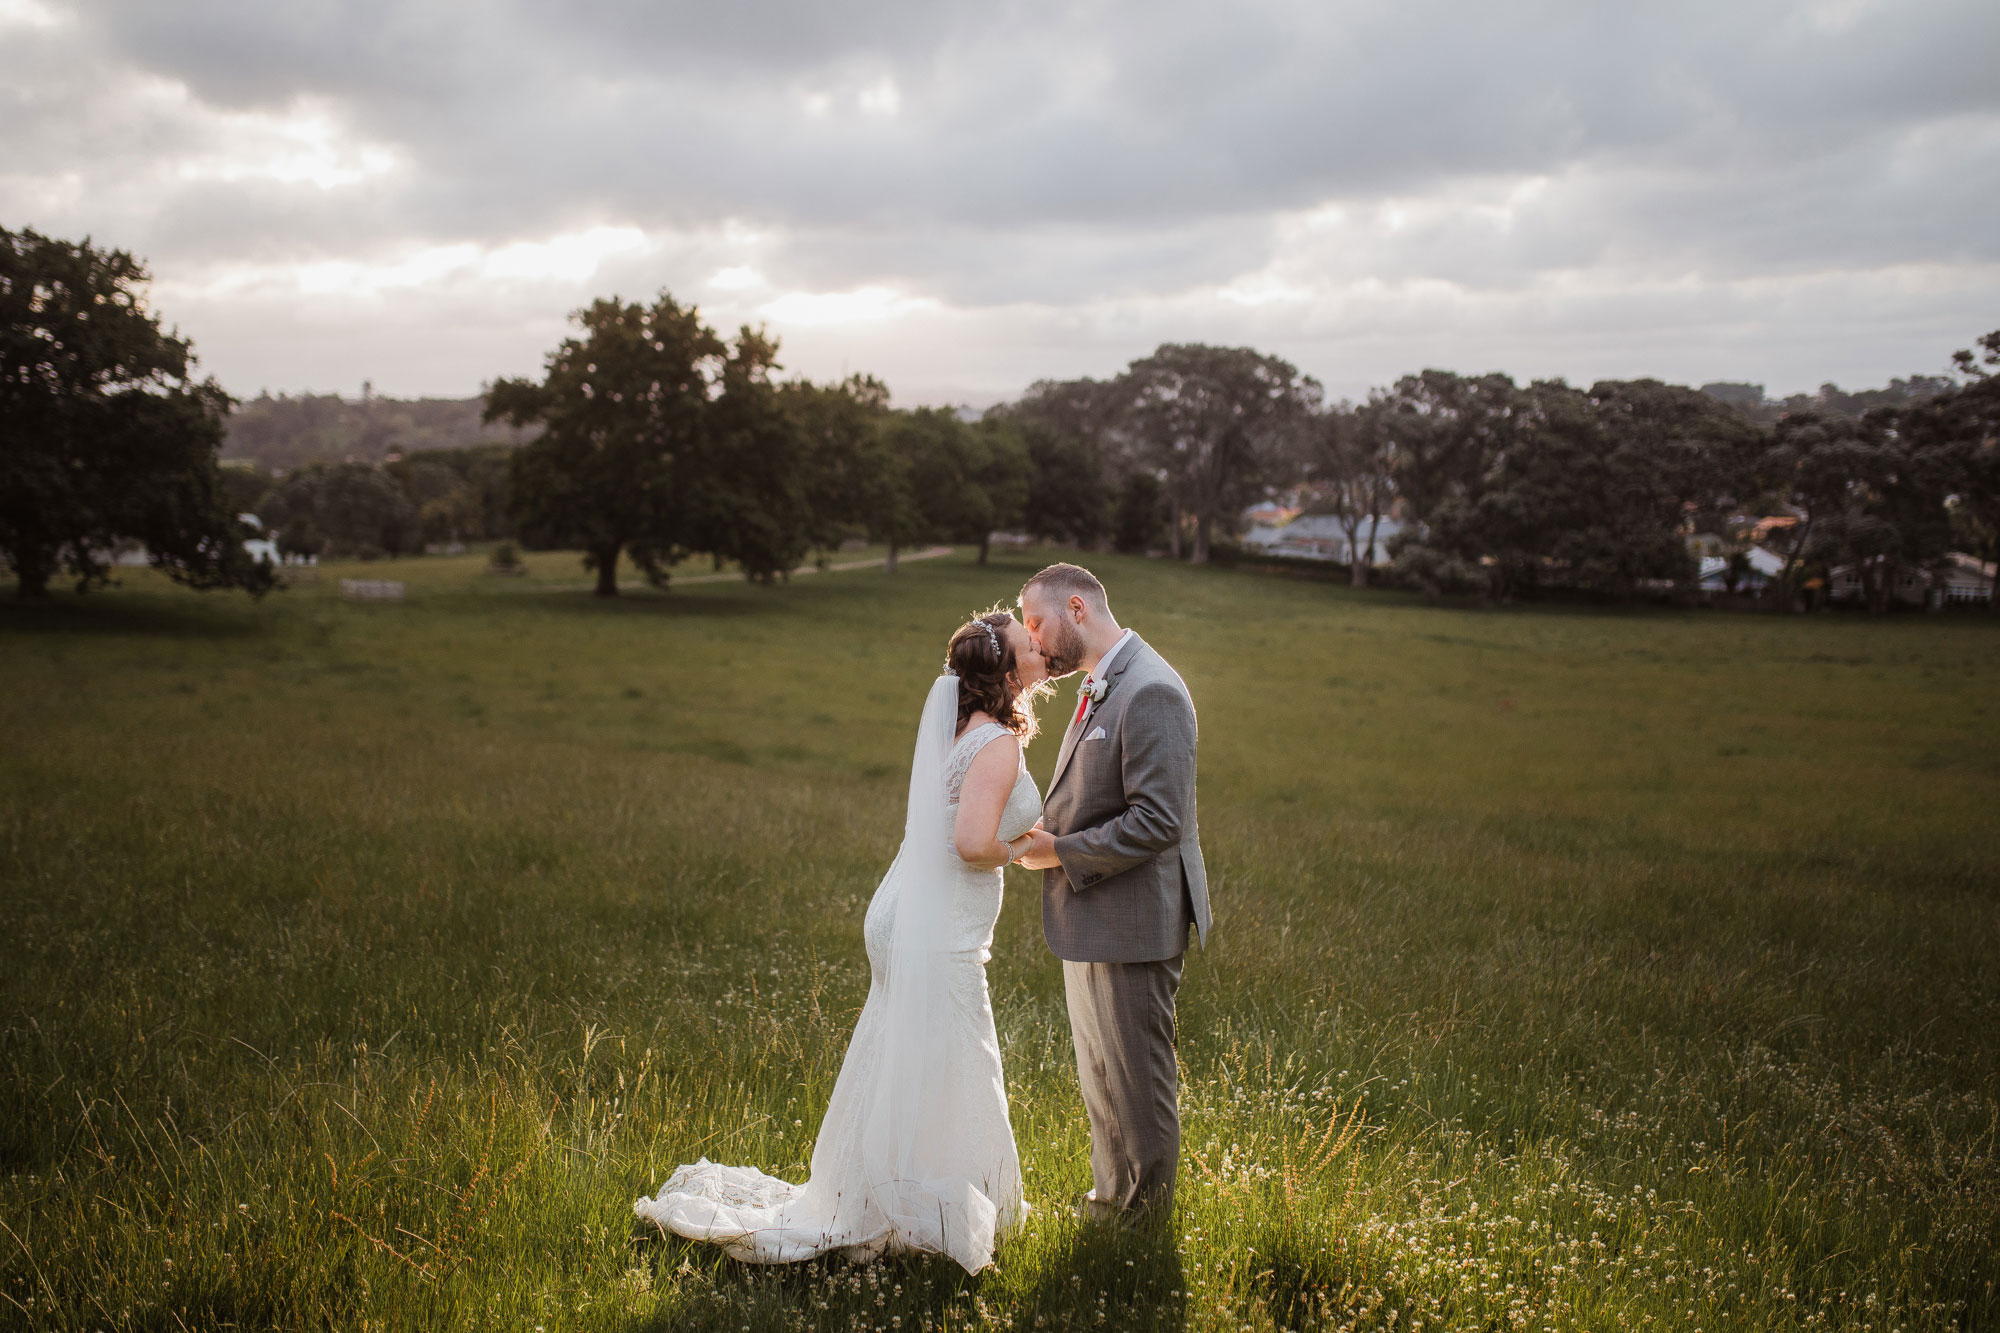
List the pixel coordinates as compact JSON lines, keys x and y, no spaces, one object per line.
{"x":1091,"y":177}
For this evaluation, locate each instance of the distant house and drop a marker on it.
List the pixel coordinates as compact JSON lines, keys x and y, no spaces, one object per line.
{"x":1703,"y":544}
{"x":1967,"y":578}
{"x":260,"y":548}
{"x":1764,"y":567}
{"x":1320,"y":537}
{"x":1962,"y":578}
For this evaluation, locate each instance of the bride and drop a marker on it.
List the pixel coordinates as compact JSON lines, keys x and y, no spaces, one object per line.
{"x":915,"y":1152}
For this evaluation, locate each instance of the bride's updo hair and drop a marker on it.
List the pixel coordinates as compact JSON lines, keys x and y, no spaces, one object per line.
{"x":982,"y":658}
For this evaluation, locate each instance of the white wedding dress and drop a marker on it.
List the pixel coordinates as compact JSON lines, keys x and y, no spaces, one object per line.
{"x":915,"y":1152}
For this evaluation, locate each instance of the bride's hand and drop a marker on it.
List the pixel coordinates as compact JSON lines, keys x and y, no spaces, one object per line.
{"x":1041,"y":853}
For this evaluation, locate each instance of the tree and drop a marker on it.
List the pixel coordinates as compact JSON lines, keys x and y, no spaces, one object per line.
{"x":300,"y":538}
{"x":1216,"y":421}
{"x":1080,"y":452}
{"x":1601,"y":482}
{"x":1679,"y":462}
{"x":345,"y":510}
{"x":1873,"y":494}
{"x":108,"y":437}
{"x":1352,"y":456}
{"x":1448,"y":435}
{"x":1554,"y":484}
{"x":1067,"y":497}
{"x":473,"y":505}
{"x":840,"y":426}
{"x":1140,"y":513}
{"x":453,"y":516}
{"x":1745,"y":398}
{"x":1089,"y":412}
{"x":966,"y":479}
{"x":1536,"y":496}
{"x":244,"y":488}
{"x":1449,"y":430}
{"x":364,"y":512}
{"x":752,"y":499}
{"x":892,"y":516}
{"x":624,"y":408}
{"x":916,"y":464}
{"x":446,"y":509}
{"x":1816,"y":465}
{"x":1969,"y":417}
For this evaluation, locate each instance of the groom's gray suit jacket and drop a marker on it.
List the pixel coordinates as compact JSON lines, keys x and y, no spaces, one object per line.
{"x":1121,"y":807}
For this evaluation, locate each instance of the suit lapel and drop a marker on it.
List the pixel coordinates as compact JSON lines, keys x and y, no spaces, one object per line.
{"x":1062,"y":755}
{"x":1074,"y":736}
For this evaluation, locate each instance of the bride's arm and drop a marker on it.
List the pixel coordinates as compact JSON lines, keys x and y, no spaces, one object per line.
{"x":983,"y":799}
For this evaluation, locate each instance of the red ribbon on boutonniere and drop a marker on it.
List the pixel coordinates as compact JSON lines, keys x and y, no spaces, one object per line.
{"x":1087,"y":693}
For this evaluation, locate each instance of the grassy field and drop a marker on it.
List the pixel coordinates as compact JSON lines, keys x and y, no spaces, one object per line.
{"x":362,"y":963}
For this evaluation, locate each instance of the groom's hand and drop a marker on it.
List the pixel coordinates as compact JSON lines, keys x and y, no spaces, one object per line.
{"x":1041,"y":853}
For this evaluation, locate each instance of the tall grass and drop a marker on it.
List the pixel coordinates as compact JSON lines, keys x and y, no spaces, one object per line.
{"x":362,"y":963}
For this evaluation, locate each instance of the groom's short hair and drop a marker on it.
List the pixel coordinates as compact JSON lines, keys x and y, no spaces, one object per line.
{"x":1064,"y":581}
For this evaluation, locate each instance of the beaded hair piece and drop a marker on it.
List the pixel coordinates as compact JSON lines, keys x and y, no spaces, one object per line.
{"x":991,"y":637}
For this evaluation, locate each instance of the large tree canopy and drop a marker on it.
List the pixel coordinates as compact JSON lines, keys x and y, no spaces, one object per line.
{"x":1351,"y":457}
{"x":346,"y":511}
{"x":104,"y":433}
{"x":663,"y":439}
{"x":969,"y":478}
{"x":625,"y":405}
{"x":1969,"y":418}
{"x":1217,"y":422}
{"x":751,"y":489}
{"x":1510,"y":487}
{"x":841,"y":430}
{"x":1080,"y":455}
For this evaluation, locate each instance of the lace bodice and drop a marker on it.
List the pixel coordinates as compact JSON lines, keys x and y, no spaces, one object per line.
{"x":959,"y":762}
{"x":1024,"y":802}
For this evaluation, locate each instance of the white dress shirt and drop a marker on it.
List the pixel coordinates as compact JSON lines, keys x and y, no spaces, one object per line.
{"x":1103,"y":665}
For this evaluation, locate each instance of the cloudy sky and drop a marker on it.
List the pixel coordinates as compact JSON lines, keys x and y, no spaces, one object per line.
{"x":963,"y":198}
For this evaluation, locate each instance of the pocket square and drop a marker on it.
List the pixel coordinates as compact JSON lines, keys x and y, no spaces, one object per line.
{"x":1096,"y":734}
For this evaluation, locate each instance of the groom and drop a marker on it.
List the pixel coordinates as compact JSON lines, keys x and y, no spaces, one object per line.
{"x":1122,"y":882}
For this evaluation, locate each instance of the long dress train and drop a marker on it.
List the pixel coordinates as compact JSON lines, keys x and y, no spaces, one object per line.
{"x":915,"y":1152}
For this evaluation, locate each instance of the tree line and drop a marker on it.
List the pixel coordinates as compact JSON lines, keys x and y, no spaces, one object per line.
{"x":651,"y":437}
{"x":364,"y":511}
{"x":1503,"y":488}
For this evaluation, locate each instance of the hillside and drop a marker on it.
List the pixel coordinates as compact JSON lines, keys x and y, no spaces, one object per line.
{"x":283,"y":433}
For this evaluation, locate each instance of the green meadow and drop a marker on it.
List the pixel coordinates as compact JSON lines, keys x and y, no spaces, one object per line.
{"x":361,"y":963}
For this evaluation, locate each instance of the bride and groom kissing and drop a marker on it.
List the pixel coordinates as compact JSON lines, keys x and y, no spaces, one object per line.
{"x":915,"y":1152}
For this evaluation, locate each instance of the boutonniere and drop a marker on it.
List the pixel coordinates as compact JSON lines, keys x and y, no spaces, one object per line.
{"x":1091,"y":689}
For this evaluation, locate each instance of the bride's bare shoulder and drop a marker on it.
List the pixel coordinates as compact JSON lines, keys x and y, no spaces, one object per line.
{"x":997,"y":751}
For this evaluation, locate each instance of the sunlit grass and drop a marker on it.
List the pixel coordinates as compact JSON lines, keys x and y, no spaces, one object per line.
{"x":364,"y":961}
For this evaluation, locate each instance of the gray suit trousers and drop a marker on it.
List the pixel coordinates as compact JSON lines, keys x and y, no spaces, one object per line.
{"x":1121,"y":1017}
